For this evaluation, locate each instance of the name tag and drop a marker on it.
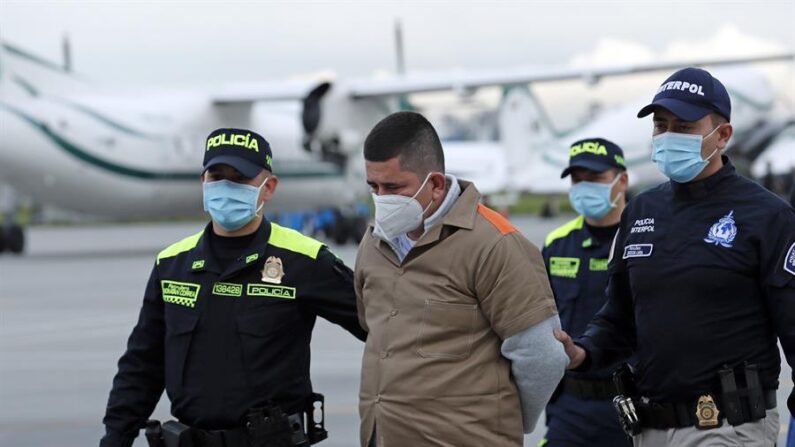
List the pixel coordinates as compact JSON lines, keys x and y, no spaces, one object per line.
{"x":638,"y":251}
{"x":564,"y":267}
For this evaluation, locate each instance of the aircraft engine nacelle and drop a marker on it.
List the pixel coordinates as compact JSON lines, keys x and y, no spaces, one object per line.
{"x":335,"y":124}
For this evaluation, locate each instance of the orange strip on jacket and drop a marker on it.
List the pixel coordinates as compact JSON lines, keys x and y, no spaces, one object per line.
{"x":496,"y":219}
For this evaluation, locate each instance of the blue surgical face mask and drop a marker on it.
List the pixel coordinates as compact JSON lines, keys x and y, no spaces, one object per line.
{"x":678,"y":155}
{"x":231,"y":205}
{"x":592,"y":199}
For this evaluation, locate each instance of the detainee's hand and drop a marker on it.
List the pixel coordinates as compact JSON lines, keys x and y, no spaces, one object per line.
{"x":576,"y":354}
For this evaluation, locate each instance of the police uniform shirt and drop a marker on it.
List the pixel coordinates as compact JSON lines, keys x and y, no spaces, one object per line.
{"x":576,"y":258}
{"x":223,"y":340}
{"x":702,"y":275}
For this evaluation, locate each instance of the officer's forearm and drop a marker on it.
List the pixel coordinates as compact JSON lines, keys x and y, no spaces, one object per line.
{"x":115,"y":439}
{"x":610,"y":336}
{"x":781,"y":302}
{"x":140,"y":379}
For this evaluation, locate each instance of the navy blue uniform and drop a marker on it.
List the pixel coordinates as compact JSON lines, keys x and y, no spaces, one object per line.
{"x":576,"y":258}
{"x":225,"y":337}
{"x":702,"y":275}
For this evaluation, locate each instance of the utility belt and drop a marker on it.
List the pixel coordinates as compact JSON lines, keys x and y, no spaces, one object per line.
{"x":589,"y":389}
{"x":736,"y":405}
{"x":266,"y":426}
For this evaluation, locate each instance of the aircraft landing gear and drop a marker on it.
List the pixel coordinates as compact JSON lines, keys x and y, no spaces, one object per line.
{"x":348,"y":227}
{"x":12,"y":239}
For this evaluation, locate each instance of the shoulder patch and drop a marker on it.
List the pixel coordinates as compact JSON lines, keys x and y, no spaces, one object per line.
{"x":789,"y":259}
{"x":182,"y":246}
{"x":564,"y":230}
{"x":503,"y":225}
{"x":294,"y":241}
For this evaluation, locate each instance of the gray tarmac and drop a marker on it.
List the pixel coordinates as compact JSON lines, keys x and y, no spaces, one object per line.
{"x":67,"y":308}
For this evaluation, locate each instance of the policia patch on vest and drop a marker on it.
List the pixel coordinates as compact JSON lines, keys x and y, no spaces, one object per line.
{"x":564,"y":267}
{"x":182,"y":293}
{"x":271,"y":291}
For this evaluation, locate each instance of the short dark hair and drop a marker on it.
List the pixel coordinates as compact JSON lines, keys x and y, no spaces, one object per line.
{"x":717,"y":119}
{"x":411,"y":137}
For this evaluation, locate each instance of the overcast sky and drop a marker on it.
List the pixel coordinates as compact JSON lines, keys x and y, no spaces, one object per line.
{"x":173,"y":42}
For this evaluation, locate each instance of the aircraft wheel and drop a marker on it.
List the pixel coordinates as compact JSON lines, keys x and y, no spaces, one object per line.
{"x":15,"y":239}
{"x":339,"y":230}
{"x":359,"y":228}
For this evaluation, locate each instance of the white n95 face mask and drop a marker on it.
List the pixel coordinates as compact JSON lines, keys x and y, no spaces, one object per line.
{"x":396,"y":214}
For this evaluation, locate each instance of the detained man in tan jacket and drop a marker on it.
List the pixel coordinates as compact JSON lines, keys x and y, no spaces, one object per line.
{"x":460,"y":314}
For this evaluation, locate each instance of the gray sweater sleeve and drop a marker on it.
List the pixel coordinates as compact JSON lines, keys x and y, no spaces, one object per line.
{"x":538,"y":362}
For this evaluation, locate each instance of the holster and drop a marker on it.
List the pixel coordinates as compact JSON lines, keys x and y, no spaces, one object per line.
{"x":624,"y":404}
{"x":316,"y":428}
{"x":732,"y":396}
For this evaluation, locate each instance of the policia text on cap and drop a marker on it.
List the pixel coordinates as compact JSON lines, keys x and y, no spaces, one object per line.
{"x":227,"y":318}
{"x":701,"y":282}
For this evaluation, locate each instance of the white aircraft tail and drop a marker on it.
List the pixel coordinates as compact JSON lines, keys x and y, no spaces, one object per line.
{"x":22,"y":72}
{"x":524,"y":128}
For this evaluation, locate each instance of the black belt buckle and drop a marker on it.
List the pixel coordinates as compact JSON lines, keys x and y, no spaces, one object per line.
{"x":627,"y":415}
{"x":268,"y":426}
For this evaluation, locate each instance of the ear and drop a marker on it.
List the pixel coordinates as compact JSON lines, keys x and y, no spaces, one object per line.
{"x":269,"y":188}
{"x":624,"y":182}
{"x":724,"y":135}
{"x":438,"y":183}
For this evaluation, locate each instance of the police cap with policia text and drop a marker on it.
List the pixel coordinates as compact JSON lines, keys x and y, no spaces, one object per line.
{"x":244,"y":150}
{"x":691,"y":94}
{"x":595,"y":154}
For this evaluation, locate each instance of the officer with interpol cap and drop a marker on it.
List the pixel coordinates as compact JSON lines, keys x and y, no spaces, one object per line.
{"x":581,"y":411}
{"x":701,"y":285}
{"x":227,"y":318}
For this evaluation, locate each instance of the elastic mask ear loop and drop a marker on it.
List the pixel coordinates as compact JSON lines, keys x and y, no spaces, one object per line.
{"x":716,"y":147}
{"x":618,"y":196}
{"x":259,"y":208}
{"x":418,"y":191}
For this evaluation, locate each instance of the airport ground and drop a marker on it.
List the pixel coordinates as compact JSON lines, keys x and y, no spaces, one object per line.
{"x":67,"y":307}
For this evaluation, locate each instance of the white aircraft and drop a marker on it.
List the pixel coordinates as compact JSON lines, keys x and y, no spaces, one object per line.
{"x":75,"y":144}
{"x":536,"y":155}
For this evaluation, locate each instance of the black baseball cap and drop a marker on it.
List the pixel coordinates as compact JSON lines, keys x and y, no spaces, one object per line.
{"x":244,"y":150}
{"x":691,"y":94}
{"x":595,"y":154}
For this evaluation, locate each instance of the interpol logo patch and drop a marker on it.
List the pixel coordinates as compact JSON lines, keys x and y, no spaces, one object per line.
{"x":789,"y":260}
{"x":638,"y":251}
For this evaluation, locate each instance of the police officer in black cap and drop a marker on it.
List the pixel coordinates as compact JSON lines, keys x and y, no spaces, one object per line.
{"x":701,"y":285}
{"x":227,"y":318}
{"x":581,"y":411}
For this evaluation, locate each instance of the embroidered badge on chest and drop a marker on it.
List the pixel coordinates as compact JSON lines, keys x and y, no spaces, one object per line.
{"x":273,"y":271}
{"x":723,"y":231}
{"x":789,"y":260}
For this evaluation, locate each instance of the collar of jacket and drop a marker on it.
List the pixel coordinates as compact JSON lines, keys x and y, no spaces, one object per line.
{"x":461,"y":215}
{"x":202,"y":259}
{"x":702,"y":188}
